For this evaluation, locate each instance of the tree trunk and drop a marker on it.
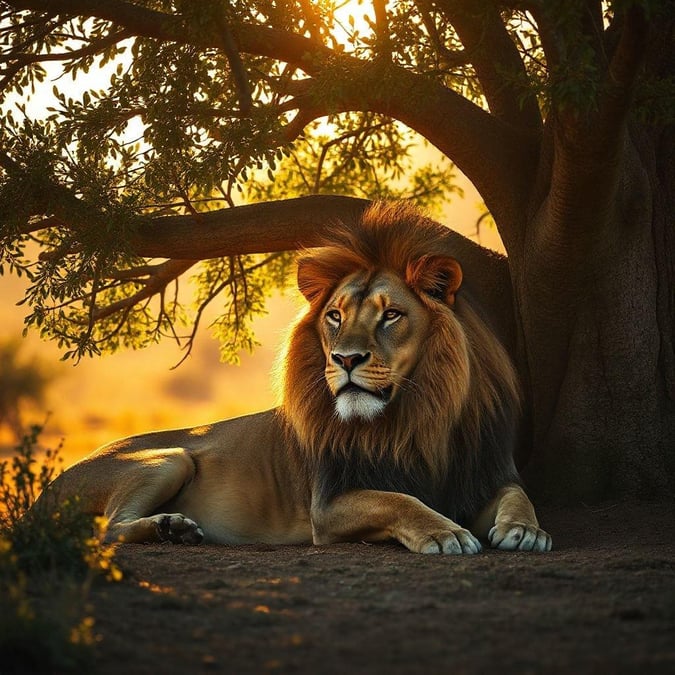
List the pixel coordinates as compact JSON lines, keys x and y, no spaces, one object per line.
{"x":595,"y":313}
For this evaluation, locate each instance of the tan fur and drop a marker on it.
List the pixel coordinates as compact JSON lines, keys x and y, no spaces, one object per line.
{"x":390,"y":377}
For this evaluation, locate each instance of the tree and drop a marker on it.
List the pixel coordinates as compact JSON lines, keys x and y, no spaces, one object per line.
{"x":559,"y":112}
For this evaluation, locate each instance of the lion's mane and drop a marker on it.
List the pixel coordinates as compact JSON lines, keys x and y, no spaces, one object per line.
{"x":448,"y":436}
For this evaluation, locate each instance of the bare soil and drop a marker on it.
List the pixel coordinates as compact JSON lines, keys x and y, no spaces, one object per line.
{"x":603,"y":601}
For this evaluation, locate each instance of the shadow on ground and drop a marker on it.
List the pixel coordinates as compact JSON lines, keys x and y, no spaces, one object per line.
{"x":602,"y":602}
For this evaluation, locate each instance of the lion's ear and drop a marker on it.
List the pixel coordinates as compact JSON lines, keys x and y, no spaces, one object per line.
{"x":312,"y":281}
{"x":437,"y":276}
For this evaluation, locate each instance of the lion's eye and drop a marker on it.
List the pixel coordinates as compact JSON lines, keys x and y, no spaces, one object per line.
{"x":333,"y":316}
{"x":390,"y":315}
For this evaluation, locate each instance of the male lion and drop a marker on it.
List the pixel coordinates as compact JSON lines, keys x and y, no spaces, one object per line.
{"x":397,"y":421}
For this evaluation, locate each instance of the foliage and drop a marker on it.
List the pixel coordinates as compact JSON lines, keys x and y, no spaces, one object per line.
{"x":369,"y":146}
{"x":175,"y":108}
{"x":41,"y":633}
{"x":161,"y":140}
{"x":241,"y":284}
{"x":49,"y":557}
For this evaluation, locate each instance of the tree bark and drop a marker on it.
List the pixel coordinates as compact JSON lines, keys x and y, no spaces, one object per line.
{"x":596,"y":323}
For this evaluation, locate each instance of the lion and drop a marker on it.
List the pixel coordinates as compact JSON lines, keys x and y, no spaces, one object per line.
{"x":397,"y":421}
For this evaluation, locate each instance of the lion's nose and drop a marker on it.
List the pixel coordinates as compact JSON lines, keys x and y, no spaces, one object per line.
{"x":349,"y":361}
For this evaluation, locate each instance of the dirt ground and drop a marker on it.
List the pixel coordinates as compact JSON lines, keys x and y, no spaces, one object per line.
{"x":603,"y":601}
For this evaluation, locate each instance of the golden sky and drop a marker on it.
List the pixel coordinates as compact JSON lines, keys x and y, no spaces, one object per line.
{"x":129,"y":392}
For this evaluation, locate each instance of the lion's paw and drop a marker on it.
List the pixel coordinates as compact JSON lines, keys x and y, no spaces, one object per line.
{"x":515,"y":536}
{"x":453,"y":541}
{"x":178,"y":529}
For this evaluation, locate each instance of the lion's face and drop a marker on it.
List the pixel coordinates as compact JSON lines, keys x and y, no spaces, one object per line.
{"x":372,"y":329}
{"x":388,"y":360}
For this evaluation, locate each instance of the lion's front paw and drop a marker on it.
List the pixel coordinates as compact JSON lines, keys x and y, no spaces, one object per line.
{"x":452,"y":541}
{"x":178,"y":529}
{"x":516,"y":536}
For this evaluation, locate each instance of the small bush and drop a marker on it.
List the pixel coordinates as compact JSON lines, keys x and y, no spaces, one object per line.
{"x":49,"y":557}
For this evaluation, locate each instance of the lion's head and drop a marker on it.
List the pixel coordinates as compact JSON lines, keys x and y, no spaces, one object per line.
{"x":390,"y":360}
{"x":372,"y":328}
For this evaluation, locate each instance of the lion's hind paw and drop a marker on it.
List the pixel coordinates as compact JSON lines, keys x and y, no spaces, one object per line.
{"x":178,"y":529}
{"x":519,"y":537}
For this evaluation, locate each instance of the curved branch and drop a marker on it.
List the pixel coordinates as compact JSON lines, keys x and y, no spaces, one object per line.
{"x":161,"y":276}
{"x":304,"y":222}
{"x":499,"y":160}
{"x":495,"y":57}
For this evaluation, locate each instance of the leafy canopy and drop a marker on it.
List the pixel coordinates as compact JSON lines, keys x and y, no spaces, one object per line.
{"x":170,"y":107}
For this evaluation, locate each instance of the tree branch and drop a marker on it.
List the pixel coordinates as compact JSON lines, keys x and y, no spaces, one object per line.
{"x":214,"y":291}
{"x":550,"y":39}
{"x":593,"y":25}
{"x":484,"y":148}
{"x":589,"y":146}
{"x":149,"y":23}
{"x":303,"y":222}
{"x":624,"y":66}
{"x":236,"y":65}
{"x":448,"y":58}
{"x":346,"y":155}
{"x":21,"y":60}
{"x":312,"y":19}
{"x":267,"y":227}
{"x":498,"y":159}
{"x":160,"y":277}
{"x":24,"y":58}
{"x":590,"y":161}
{"x":495,"y":57}
{"x":382,"y":29}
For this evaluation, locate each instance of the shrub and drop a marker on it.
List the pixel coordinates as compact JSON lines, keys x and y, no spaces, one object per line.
{"x":49,"y":558}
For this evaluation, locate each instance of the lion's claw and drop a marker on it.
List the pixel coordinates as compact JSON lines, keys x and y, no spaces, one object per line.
{"x":519,"y":537}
